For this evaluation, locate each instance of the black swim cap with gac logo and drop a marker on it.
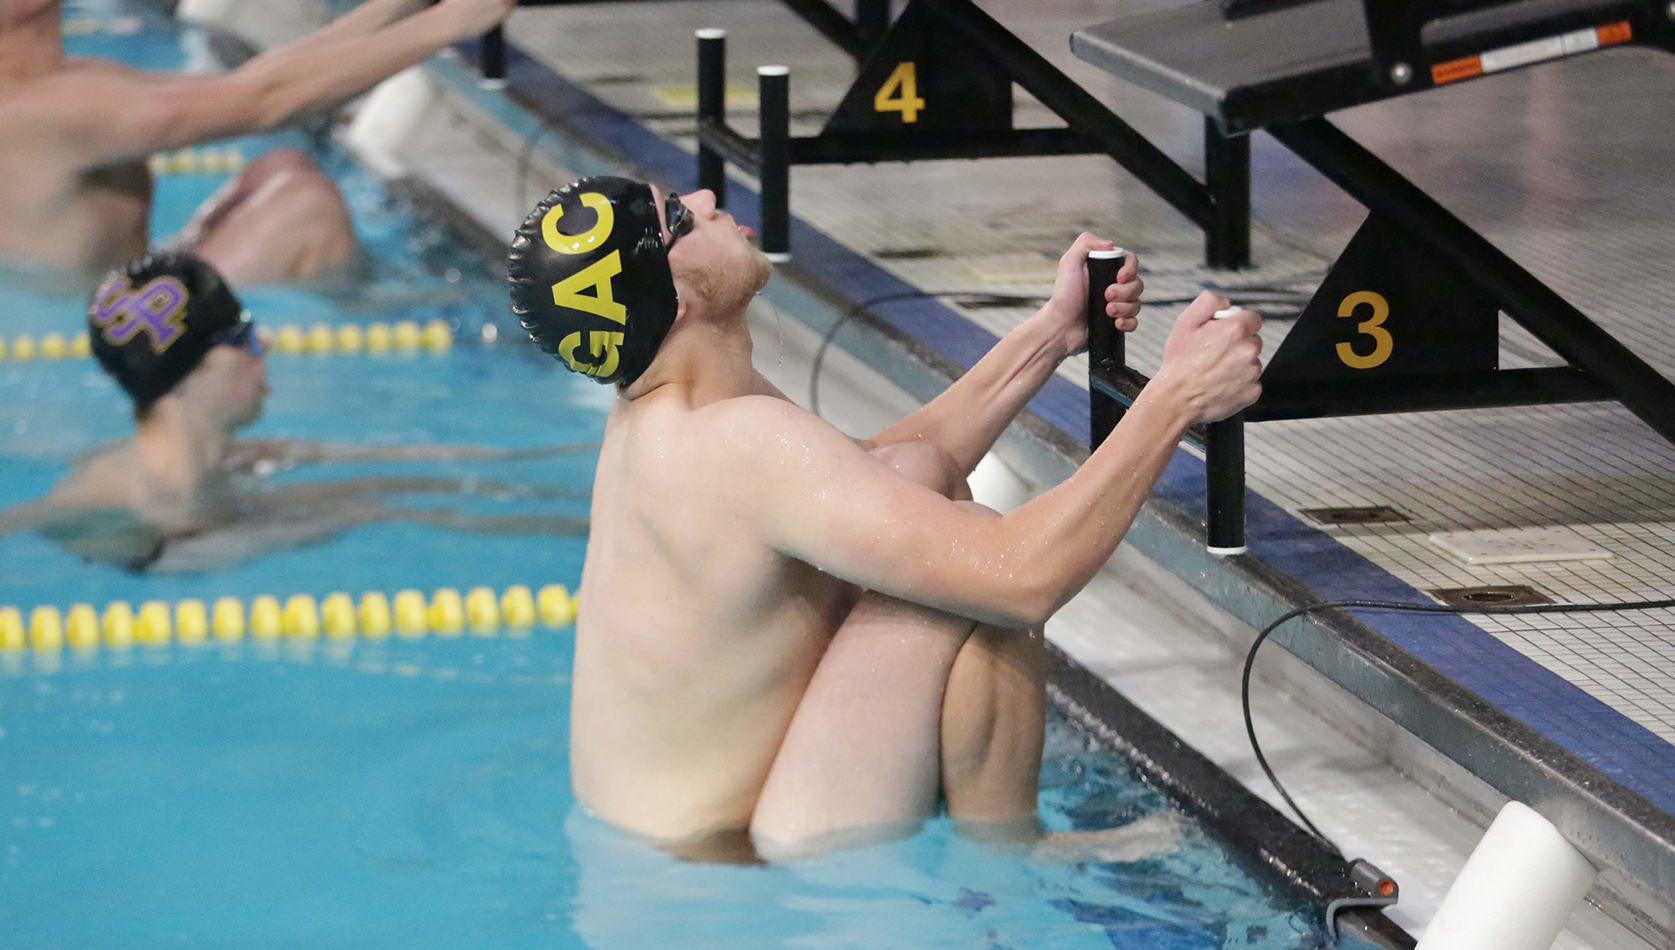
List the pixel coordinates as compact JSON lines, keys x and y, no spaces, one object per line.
{"x":150,"y":323}
{"x":590,"y":278}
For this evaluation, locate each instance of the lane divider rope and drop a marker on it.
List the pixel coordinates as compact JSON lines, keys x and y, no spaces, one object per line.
{"x":403,"y":338}
{"x":409,"y":614}
{"x":225,"y":160}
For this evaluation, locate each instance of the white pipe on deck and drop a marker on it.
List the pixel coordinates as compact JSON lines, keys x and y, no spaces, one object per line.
{"x":1516,"y":891}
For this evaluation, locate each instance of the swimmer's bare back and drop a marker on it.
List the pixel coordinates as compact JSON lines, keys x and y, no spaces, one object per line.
{"x":75,"y":133}
{"x":732,"y":533}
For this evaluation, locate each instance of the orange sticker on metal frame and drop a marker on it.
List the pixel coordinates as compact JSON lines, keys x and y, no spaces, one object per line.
{"x":1614,"y":33}
{"x":1456,"y":69}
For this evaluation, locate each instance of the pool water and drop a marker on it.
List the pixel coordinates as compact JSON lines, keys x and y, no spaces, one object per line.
{"x":414,"y":793}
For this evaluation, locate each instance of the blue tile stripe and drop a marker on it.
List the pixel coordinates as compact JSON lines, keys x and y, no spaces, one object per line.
{"x":1606,"y":739}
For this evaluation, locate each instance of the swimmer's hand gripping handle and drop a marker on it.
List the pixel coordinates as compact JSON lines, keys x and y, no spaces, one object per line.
{"x":1106,"y":353}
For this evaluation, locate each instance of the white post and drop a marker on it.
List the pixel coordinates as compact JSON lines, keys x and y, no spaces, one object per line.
{"x":387,"y":116}
{"x":1516,"y":890}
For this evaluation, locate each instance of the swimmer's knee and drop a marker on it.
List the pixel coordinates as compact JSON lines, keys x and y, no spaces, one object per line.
{"x":979,"y":508}
{"x":925,"y":464}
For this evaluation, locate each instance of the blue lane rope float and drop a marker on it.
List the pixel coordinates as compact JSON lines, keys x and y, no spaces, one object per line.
{"x":401,"y":338}
{"x":409,"y":614}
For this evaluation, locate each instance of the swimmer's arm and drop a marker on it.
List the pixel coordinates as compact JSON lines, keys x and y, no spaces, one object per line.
{"x":813,"y":495}
{"x":113,"y":534}
{"x":29,"y":516}
{"x":366,"y":18}
{"x":967,"y":418}
{"x":106,"y":116}
{"x":284,"y":453}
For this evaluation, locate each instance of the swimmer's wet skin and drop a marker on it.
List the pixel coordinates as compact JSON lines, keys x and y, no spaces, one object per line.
{"x":179,"y":342}
{"x":795,"y":636}
{"x":75,"y":135}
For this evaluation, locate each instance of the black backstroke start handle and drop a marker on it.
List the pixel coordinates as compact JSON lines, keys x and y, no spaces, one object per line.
{"x":494,"y":58}
{"x":1106,"y":352}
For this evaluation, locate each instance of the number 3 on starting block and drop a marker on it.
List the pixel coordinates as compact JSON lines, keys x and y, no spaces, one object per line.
{"x":900,"y":93}
{"x":1383,"y":343}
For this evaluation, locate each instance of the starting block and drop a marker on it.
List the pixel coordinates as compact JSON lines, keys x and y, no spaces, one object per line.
{"x":1407,"y":319}
{"x":939,"y":86}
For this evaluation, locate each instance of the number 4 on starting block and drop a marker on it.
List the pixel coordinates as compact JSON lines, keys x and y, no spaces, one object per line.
{"x":924,"y":78}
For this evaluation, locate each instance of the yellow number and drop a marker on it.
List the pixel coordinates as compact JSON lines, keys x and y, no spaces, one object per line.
{"x":599,"y":343}
{"x":586,"y":241}
{"x":568,"y":292}
{"x":1383,"y":344}
{"x":900,"y":93}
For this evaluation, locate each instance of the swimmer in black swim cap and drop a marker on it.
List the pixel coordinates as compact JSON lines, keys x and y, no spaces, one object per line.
{"x":605,"y":271}
{"x":153,"y":322}
{"x":177,"y":495}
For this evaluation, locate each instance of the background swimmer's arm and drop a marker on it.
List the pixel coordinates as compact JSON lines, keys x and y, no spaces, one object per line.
{"x":107,"y":116}
{"x":110,"y":534}
{"x":230,"y":547}
{"x":813,"y":495}
{"x":283,"y":453}
{"x":29,"y":516}
{"x":971,"y":414}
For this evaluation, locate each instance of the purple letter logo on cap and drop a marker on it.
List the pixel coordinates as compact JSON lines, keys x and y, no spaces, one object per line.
{"x":157,"y":308}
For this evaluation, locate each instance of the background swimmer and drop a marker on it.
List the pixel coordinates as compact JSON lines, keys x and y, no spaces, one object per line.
{"x":75,"y":134}
{"x":182,"y":495}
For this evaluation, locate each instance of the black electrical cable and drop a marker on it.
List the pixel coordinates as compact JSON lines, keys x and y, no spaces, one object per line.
{"x":520,"y":188}
{"x":1020,"y":300}
{"x":1250,"y":659}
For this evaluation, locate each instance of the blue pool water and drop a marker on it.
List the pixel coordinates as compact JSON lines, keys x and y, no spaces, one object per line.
{"x":415,"y":793}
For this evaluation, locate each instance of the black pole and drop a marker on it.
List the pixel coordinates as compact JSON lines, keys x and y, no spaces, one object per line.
{"x":1227,"y":175}
{"x":832,"y":25}
{"x":774,"y":85}
{"x":712,"y":106}
{"x":1532,"y":303}
{"x":872,"y":21}
{"x":1224,"y":476}
{"x":494,"y":58}
{"x":1224,"y":467}
{"x":1106,"y":347}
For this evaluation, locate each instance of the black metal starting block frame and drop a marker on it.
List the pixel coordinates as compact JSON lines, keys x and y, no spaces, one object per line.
{"x":964,"y":63}
{"x":1368,"y":50}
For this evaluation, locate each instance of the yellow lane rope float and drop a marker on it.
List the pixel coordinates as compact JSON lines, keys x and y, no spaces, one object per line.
{"x":401,"y":338}
{"x":409,"y":614}
{"x":197,"y":161}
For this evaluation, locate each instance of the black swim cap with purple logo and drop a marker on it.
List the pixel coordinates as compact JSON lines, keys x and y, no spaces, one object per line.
{"x":590,"y":277}
{"x":151,"y":322}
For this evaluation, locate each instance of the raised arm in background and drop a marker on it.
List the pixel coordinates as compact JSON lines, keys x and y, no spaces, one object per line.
{"x":125,"y":114}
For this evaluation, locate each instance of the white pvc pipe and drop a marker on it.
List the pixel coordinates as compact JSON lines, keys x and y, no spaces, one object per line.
{"x":1516,"y":890}
{"x":388,"y":116}
{"x":993,"y":483}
